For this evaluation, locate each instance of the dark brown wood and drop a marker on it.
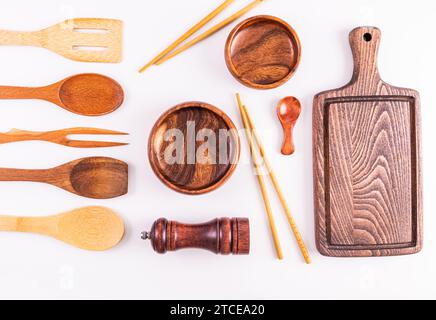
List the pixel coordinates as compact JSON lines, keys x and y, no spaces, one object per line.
{"x":222,"y":236}
{"x":188,"y":175}
{"x":94,"y":177}
{"x":86,"y":94}
{"x":288,"y":111}
{"x":263,"y":52}
{"x":367,"y":162}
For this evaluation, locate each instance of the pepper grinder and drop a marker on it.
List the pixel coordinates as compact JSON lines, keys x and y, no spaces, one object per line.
{"x":221,"y":236}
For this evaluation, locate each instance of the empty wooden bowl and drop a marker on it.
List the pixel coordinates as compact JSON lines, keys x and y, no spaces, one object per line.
{"x":194,"y":148}
{"x":263,"y":52}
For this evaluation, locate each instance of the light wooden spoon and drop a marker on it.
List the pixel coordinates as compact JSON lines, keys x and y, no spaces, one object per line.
{"x":90,"y":228}
{"x":87,"y":94}
{"x":94,"y":177}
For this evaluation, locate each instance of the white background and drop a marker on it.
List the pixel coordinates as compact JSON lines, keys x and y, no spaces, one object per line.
{"x":33,"y":266}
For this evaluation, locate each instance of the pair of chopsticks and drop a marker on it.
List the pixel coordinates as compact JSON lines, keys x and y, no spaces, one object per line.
{"x":251,"y":132}
{"x":168,"y":53}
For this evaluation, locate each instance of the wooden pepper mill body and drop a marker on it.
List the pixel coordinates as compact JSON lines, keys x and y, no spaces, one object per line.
{"x":221,"y":236}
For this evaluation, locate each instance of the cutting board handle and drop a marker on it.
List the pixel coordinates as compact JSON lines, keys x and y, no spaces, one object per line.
{"x":365,"y":42}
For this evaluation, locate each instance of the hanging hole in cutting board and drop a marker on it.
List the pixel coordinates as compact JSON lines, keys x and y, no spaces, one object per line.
{"x":367,"y":37}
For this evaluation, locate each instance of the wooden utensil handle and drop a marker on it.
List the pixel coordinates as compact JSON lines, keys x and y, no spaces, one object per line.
{"x":7,"y":174}
{"x":16,"y":135}
{"x":221,"y":236}
{"x":365,"y":42}
{"x":19,"y":38}
{"x":288,"y":147}
{"x":8,"y":92}
{"x":41,"y":225}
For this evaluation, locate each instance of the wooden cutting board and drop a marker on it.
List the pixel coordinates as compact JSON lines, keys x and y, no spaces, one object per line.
{"x":367,"y":162}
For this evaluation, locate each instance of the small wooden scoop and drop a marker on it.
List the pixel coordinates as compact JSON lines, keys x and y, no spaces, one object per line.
{"x":95,"y":177}
{"x":90,"y":228}
{"x":83,"y":39}
{"x":87,"y":94}
{"x":288,"y":111}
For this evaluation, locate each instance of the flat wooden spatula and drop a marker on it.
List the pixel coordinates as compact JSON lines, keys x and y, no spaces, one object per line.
{"x":367,"y":162}
{"x":82,"y":39}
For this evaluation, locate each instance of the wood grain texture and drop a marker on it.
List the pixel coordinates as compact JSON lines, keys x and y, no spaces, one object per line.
{"x":94,"y":177}
{"x":210,"y":31}
{"x":87,"y":94}
{"x":367,"y":162}
{"x":221,"y":236}
{"x":189,"y":175}
{"x":288,"y":112}
{"x":61,"y":137}
{"x":90,"y":228}
{"x":81,"y":39}
{"x":263,"y":52}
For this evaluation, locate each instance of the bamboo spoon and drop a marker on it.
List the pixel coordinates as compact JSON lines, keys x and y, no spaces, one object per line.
{"x":279,"y":192}
{"x":87,"y":94}
{"x":95,"y":177}
{"x":61,"y":137}
{"x":211,"y":31}
{"x":288,"y":111}
{"x":188,"y":33}
{"x":82,"y":39}
{"x":90,"y":228}
{"x":257,"y":166}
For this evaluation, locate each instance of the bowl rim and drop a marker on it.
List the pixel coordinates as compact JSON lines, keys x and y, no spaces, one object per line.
{"x":231,"y":168}
{"x":292,"y":34}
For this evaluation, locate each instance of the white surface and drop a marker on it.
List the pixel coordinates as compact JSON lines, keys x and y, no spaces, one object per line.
{"x":37,"y":267}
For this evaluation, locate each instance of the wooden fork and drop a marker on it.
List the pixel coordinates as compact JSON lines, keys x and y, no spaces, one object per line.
{"x":82,"y":39}
{"x":61,"y":137}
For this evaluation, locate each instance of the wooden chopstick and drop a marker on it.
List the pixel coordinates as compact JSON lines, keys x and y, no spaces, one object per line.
{"x":276,"y":185}
{"x":210,"y":32}
{"x":188,"y":33}
{"x":261,"y":181}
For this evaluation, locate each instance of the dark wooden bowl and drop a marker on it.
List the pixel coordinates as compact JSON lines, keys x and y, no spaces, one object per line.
{"x":263,"y":52}
{"x":186,"y":174}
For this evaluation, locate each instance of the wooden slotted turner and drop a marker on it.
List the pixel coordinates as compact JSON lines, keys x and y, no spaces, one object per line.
{"x":82,"y":39}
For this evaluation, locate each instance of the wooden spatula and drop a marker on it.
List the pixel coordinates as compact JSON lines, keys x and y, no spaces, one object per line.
{"x":83,"y":39}
{"x":90,"y":228}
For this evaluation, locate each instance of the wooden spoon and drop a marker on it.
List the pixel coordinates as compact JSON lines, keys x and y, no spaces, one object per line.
{"x":288,"y":111}
{"x":87,"y":94}
{"x":95,"y":177}
{"x":90,"y":228}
